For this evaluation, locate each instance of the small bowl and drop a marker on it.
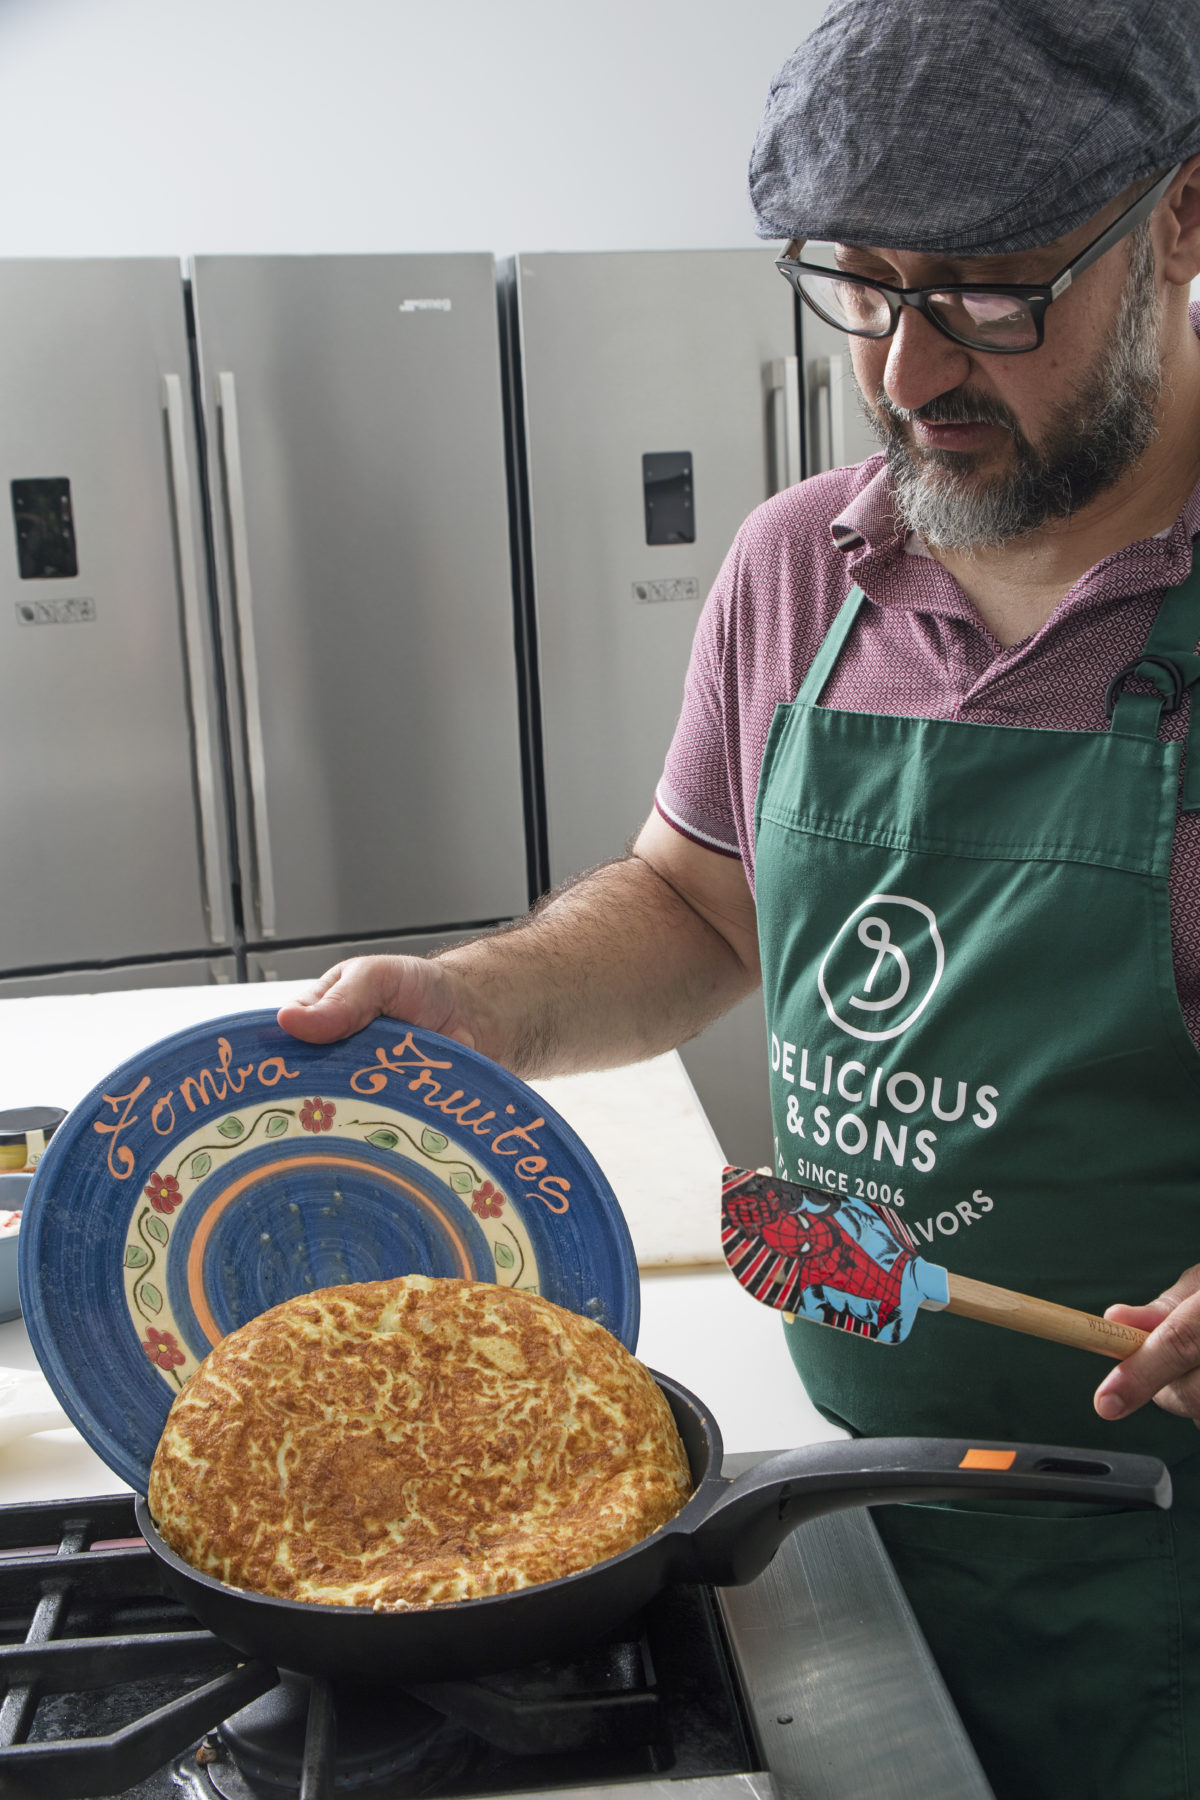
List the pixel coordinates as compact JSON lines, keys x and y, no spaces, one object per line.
{"x":13,"y":1189}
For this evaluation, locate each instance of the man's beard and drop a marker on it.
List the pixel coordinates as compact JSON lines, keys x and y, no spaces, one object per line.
{"x":1093,"y":437}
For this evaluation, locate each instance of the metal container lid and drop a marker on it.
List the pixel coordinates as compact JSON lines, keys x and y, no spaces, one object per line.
{"x":16,"y":1124}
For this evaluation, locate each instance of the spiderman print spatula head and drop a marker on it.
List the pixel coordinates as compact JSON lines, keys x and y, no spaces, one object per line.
{"x":853,"y":1264}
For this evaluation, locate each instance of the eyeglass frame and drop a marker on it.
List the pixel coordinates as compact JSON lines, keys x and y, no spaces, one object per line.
{"x":1037,"y":298}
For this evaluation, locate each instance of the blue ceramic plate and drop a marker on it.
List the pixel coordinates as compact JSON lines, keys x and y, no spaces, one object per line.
{"x":231,"y":1167}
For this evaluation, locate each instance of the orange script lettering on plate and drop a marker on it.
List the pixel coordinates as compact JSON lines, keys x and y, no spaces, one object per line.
{"x":374,"y":1080}
{"x":124,"y":1155}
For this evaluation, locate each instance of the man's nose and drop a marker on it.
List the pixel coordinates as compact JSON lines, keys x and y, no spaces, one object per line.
{"x":922,"y":362}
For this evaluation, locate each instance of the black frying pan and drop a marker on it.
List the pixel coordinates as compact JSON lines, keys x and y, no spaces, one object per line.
{"x":726,"y":1534}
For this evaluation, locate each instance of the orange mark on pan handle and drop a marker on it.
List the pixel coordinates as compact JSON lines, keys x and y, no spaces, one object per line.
{"x":988,"y":1459}
{"x":195,"y":1261}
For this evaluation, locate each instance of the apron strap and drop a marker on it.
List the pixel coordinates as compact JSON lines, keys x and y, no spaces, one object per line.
{"x":821,"y":667}
{"x":1170,"y":662}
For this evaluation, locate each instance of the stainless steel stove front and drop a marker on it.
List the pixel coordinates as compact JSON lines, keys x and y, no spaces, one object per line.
{"x":845,"y":1699}
{"x":196,"y":1786}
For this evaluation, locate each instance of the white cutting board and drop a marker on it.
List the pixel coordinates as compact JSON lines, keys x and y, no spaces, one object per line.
{"x":650,"y":1135}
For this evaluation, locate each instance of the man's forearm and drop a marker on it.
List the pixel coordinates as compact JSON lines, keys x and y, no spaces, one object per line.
{"x":627,"y":961}
{"x":615,"y":967}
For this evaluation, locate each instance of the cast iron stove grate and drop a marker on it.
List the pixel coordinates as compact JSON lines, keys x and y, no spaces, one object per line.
{"x":111,"y":1689}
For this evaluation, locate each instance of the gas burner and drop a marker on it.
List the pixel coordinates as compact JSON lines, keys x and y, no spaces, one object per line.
{"x":304,"y":1737}
{"x":601,"y":1710}
{"x":361,"y":1741}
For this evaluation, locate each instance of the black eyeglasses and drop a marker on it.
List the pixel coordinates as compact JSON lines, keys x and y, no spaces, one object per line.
{"x":997,"y":318}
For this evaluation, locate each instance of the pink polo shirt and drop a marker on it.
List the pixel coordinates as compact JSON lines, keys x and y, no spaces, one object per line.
{"x":918,"y":650}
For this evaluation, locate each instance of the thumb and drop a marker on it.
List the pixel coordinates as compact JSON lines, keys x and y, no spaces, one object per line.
{"x":346,"y":998}
{"x":415,"y":989}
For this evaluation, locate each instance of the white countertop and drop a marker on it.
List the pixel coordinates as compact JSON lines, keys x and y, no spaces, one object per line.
{"x":644,"y":1126}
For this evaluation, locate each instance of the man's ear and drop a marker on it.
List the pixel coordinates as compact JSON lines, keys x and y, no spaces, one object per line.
{"x":1177,"y":226}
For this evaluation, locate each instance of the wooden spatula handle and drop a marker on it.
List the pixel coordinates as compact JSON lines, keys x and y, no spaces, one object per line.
{"x":1041,"y":1318}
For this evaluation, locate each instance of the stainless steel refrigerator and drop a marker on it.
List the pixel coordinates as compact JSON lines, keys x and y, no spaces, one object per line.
{"x":665,"y":395}
{"x":356,"y":462}
{"x":261,"y":659}
{"x":112,"y":801}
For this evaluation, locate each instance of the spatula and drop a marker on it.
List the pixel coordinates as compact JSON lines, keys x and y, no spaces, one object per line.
{"x":854,"y":1264}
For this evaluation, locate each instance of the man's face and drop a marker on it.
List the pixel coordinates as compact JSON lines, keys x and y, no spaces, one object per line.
{"x":983,"y":449}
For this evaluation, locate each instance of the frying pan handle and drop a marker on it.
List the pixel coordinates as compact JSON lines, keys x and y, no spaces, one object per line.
{"x":745,"y":1526}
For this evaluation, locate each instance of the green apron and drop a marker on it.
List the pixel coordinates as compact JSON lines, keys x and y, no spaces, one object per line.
{"x":972,"y":1016}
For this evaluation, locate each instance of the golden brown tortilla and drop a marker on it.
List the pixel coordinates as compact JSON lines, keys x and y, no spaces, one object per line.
{"x":410,"y":1442}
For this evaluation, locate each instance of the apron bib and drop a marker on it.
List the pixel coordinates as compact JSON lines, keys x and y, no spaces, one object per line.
{"x":972,"y":1016}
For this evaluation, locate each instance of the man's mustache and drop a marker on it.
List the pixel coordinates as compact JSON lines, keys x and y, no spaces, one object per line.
{"x":954,"y":408}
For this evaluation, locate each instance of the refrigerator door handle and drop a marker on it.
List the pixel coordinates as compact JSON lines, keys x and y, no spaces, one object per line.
{"x":783,"y":395}
{"x":827,"y":388}
{"x":837,"y":411}
{"x":243,"y":608}
{"x":194,"y":639}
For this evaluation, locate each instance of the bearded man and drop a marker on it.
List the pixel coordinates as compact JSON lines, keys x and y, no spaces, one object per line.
{"x":936,"y":778}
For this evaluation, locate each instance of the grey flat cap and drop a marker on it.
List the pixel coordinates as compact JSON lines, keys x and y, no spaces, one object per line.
{"x":973,"y":127}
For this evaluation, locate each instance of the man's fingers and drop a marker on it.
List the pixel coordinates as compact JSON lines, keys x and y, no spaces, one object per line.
{"x":1143,"y":1318}
{"x":1167,"y":1366}
{"x":1182,"y":1398}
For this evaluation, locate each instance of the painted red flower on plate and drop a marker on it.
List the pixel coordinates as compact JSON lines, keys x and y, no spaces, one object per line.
{"x":162,"y":1348}
{"x":163,"y":1193}
{"x":487,"y":1201}
{"x":317,"y":1115}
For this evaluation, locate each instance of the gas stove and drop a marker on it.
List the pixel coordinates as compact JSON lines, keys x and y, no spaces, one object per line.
{"x":810,"y":1682}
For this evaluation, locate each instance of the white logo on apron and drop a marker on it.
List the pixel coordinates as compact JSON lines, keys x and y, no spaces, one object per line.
{"x":882,"y":967}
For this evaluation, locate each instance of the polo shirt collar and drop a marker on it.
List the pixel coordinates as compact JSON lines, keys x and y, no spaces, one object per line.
{"x":867,"y":534}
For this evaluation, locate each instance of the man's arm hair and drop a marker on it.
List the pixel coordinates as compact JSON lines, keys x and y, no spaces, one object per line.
{"x":624,"y":962}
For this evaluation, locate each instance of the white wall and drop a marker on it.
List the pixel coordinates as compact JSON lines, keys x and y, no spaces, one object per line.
{"x":150,"y":127}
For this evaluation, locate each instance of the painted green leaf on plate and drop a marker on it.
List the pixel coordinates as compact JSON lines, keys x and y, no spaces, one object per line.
{"x":201,"y":1164}
{"x":157,"y":1230}
{"x":462,"y":1181}
{"x":276,"y":1126}
{"x":386,"y":1140}
{"x":231,"y":1127}
{"x":433,"y":1142}
{"x":503,"y":1255}
{"x":150,"y":1297}
{"x":136,"y":1257}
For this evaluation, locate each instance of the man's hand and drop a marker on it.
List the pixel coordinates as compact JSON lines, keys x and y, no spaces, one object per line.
{"x":353,"y":993}
{"x":1167,"y":1367}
